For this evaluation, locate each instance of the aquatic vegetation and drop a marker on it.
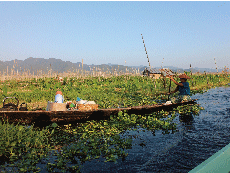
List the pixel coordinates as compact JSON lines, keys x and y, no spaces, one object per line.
{"x":25,"y":147}
{"x":23,"y":143}
{"x":104,"y":139}
{"x":112,"y":92}
{"x":189,"y":109}
{"x":76,"y":144}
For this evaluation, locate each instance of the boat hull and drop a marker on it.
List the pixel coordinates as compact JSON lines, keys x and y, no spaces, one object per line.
{"x":43,"y":118}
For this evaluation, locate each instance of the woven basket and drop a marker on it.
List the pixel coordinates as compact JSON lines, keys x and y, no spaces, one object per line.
{"x":87,"y":107}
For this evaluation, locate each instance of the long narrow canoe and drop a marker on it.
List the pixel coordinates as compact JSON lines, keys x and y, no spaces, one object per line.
{"x":64,"y":117}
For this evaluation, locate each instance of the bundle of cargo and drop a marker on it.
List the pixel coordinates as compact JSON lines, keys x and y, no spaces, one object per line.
{"x":85,"y":105}
{"x":78,"y":105}
{"x":51,"y":106}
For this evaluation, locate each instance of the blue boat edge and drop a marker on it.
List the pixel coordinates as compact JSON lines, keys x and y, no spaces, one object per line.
{"x":219,"y":162}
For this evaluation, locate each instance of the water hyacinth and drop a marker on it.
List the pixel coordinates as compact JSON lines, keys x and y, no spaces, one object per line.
{"x":26,"y":147}
{"x":88,"y":141}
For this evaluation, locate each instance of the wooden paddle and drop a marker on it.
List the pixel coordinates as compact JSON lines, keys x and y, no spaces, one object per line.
{"x":169,"y":90}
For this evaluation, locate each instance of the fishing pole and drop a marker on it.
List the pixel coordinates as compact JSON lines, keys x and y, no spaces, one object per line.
{"x":149,"y":62}
{"x":146,"y":51}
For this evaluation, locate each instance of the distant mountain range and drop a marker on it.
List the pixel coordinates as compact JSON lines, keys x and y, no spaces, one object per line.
{"x":36,"y":65}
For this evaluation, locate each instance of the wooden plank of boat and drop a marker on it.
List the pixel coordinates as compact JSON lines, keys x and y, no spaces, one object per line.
{"x":65,"y":117}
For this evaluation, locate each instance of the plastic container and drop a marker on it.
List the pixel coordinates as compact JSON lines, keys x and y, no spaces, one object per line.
{"x":59,"y":98}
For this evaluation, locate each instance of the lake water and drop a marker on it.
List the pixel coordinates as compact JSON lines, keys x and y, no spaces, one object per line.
{"x":195,"y":141}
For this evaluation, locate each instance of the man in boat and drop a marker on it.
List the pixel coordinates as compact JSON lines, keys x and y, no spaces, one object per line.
{"x":182,"y":87}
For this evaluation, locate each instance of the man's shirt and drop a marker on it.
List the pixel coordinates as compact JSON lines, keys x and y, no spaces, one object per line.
{"x":184,"y":90}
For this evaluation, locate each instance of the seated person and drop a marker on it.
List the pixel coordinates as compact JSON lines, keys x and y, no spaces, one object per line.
{"x":183,"y":88}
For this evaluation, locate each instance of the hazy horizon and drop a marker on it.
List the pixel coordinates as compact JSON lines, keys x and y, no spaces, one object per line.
{"x":139,"y":66}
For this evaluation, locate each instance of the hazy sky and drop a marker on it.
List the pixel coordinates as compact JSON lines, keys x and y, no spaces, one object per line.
{"x":182,"y":33}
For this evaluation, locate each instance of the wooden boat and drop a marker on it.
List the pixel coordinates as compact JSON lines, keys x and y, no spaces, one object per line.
{"x":43,"y":118}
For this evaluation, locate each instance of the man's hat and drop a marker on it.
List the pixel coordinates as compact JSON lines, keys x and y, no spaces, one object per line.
{"x":59,"y":92}
{"x":184,"y":76}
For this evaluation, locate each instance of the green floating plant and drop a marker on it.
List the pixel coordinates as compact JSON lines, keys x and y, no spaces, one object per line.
{"x":24,"y":147}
